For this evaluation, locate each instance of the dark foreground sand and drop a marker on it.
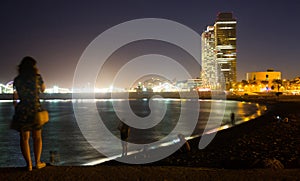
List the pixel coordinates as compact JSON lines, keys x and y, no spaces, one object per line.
{"x":148,"y":173}
{"x":261,"y":149}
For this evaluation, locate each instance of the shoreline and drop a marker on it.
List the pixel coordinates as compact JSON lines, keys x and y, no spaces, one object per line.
{"x":241,"y":145}
{"x":238,"y":153}
{"x":269,"y":97}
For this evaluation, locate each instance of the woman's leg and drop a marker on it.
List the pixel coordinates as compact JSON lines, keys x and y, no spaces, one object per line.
{"x":25,"y":148}
{"x":124,"y":148}
{"x":37,"y":147}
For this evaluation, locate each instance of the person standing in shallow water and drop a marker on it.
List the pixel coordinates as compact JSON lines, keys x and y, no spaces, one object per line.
{"x":124,"y":132}
{"x":232,"y":117}
{"x":26,"y":86}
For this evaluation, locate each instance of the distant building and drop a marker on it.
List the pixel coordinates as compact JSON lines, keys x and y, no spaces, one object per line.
{"x":269,"y":76}
{"x":219,"y":52}
{"x":268,"y":81}
{"x":189,"y":84}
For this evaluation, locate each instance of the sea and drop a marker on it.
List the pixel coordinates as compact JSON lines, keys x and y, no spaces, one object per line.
{"x":67,"y":139}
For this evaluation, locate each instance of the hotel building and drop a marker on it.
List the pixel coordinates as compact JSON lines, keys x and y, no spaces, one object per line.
{"x":210,"y":71}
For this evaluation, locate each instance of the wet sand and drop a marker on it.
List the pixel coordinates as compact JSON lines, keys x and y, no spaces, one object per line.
{"x":264,"y":149}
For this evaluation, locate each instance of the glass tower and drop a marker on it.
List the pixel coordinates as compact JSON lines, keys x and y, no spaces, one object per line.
{"x":225,"y":46}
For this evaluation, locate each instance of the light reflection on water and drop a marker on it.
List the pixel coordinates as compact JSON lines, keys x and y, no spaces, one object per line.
{"x":62,"y":134}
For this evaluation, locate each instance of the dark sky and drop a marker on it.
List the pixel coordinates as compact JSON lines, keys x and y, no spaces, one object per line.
{"x":57,"y":32}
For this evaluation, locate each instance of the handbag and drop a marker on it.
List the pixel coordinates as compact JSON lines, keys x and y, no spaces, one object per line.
{"x":41,"y":117}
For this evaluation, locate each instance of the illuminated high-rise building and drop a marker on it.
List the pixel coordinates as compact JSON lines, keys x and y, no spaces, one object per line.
{"x":219,"y":52}
{"x":210,"y":71}
{"x":225,"y":46}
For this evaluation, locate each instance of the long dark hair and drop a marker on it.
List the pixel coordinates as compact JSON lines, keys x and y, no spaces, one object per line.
{"x":27,"y":67}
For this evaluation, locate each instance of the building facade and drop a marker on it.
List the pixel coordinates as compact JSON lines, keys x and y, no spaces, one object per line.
{"x":225,"y":44}
{"x":269,"y":76}
{"x":210,"y":71}
{"x":266,"y":81}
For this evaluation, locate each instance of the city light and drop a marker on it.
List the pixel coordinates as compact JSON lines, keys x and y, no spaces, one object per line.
{"x":6,"y":88}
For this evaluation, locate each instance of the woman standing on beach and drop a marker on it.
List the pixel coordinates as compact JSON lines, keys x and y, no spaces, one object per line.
{"x":27,"y":85}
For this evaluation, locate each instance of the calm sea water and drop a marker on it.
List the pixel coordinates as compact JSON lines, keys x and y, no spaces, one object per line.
{"x":62,"y":133}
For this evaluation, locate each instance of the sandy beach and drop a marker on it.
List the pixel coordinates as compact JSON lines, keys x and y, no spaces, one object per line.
{"x":260,"y":149}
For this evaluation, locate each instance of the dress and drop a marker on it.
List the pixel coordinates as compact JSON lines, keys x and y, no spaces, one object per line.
{"x":23,"y":119}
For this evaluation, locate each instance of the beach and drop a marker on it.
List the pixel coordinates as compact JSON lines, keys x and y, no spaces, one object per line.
{"x":147,"y":173}
{"x":261,"y":149}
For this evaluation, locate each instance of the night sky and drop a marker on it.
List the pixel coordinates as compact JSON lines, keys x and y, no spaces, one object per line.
{"x":56,"y":33}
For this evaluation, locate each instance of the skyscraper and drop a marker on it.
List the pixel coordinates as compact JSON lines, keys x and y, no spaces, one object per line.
{"x":210,"y":71}
{"x":219,"y":52}
{"x":225,"y":44}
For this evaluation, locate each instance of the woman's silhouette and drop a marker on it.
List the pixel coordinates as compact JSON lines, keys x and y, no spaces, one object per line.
{"x":27,"y":86}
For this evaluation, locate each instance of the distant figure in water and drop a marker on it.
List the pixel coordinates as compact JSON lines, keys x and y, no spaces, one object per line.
{"x":124,"y":132}
{"x":232,"y":117}
{"x":185,"y":144}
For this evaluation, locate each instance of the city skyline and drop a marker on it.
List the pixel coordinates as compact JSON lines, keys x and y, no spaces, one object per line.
{"x":56,"y":33}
